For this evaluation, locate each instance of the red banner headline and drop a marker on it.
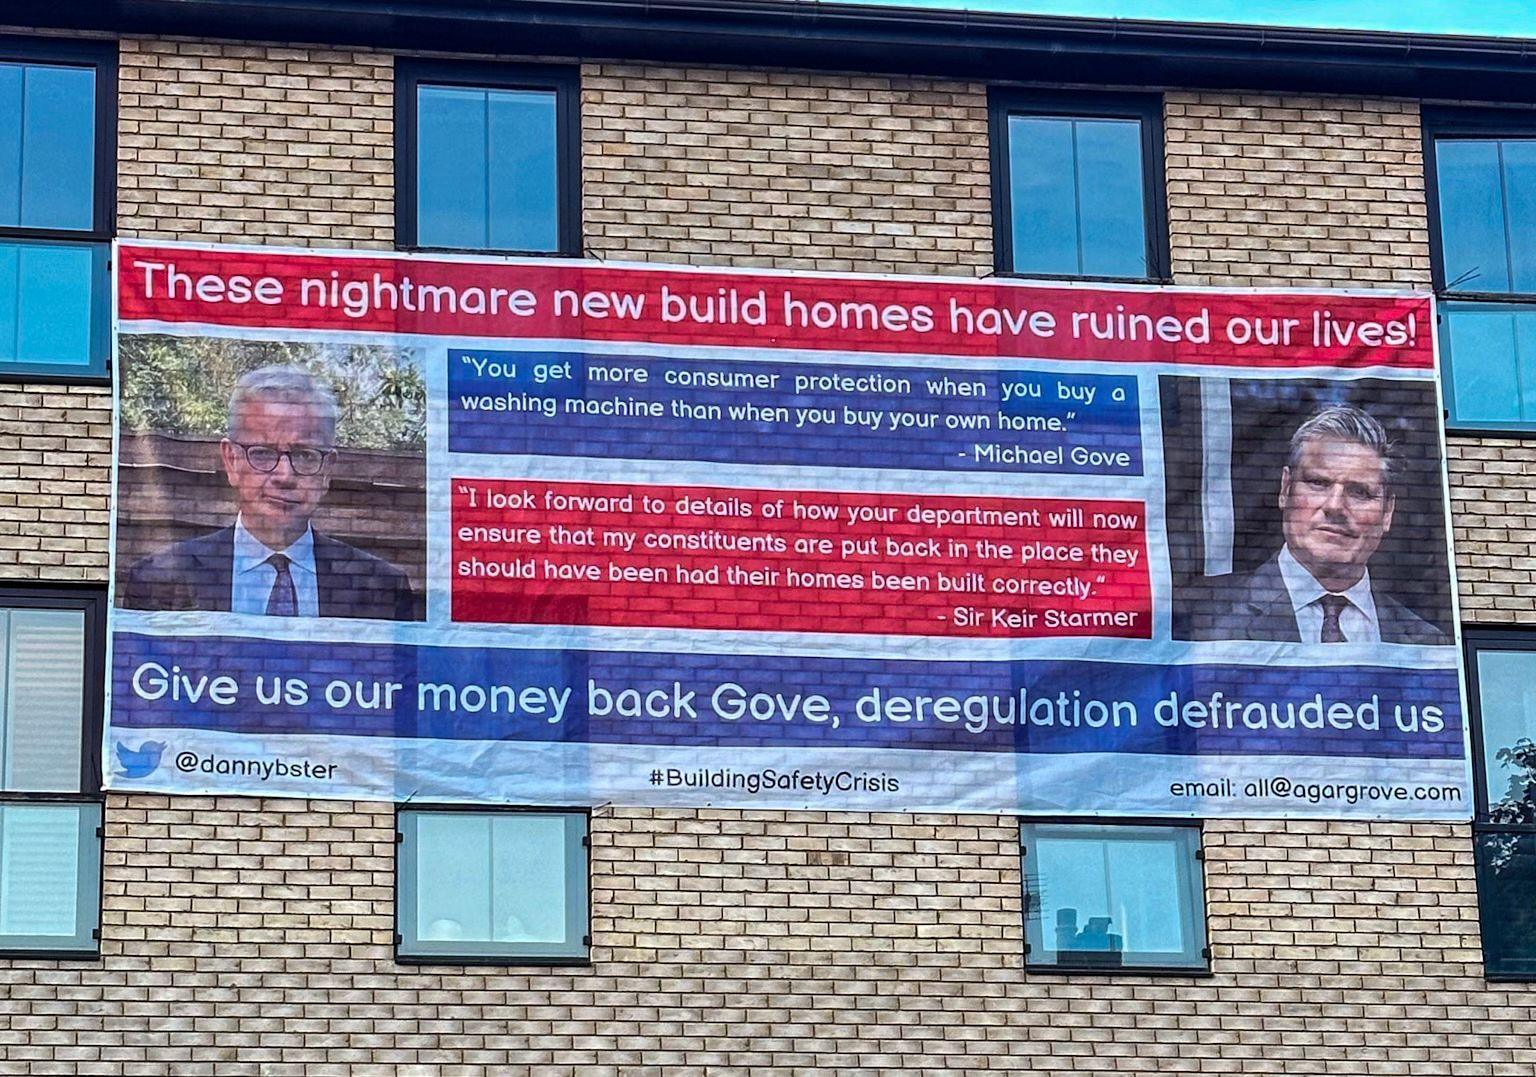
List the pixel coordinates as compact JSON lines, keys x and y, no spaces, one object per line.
{"x":589,"y":302}
{"x":538,"y":552}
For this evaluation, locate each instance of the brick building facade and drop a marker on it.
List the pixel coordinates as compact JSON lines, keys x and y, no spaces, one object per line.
{"x":249,"y":936}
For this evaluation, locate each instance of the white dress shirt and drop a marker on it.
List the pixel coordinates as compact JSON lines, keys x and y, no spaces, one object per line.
{"x":1357,"y":621}
{"x":252,"y":577}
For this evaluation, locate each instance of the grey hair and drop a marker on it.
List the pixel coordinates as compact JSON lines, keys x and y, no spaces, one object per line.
{"x":288,"y":385}
{"x":1342,"y":422}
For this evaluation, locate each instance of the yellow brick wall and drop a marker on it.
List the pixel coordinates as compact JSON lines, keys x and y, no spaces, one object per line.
{"x":255,"y":144}
{"x":1493,"y":507}
{"x":250,"y":936}
{"x":795,"y":171}
{"x":55,"y":456}
{"x":1266,"y":190}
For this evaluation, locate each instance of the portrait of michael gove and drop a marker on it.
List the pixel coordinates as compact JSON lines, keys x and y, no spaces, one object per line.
{"x":278,"y":457}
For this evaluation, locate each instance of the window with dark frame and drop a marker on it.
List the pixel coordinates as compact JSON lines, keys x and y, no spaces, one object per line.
{"x":1482,"y":197}
{"x":1077,"y":186}
{"x":1115,"y":897}
{"x":487,"y":158}
{"x":51,"y":676}
{"x":1501,"y":687}
{"x":57,"y":189}
{"x":492,"y":886}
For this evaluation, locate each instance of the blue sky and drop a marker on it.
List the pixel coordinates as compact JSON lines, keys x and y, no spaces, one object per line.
{"x":1493,"y":18}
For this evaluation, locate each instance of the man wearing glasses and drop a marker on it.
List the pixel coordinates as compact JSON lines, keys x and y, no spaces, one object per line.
{"x":278,"y":458}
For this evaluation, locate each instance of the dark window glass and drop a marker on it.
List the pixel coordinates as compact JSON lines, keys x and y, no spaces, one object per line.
{"x":50,"y":856}
{"x":1502,"y":676}
{"x":1114,"y":896}
{"x":1506,"y":886}
{"x":492,"y":885}
{"x":53,"y":258}
{"x":487,"y":169}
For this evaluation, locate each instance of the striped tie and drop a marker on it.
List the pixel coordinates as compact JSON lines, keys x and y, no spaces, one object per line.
{"x":284,"y":599}
{"x":1333,"y":606}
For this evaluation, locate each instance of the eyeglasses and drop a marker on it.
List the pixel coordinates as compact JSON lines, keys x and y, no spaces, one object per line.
{"x":303,"y":460}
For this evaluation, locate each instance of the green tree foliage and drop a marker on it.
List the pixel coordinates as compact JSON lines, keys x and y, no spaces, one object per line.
{"x":1518,"y":805}
{"x":180,"y":386}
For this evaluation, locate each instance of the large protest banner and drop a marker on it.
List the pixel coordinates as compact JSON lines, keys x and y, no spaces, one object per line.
{"x":554,"y":532}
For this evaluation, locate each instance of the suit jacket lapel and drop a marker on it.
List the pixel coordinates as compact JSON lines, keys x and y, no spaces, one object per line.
{"x":1270,"y":605}
{"x":214,"y":574}
{"x":1399,"y":624}
{"x":326,"y":556}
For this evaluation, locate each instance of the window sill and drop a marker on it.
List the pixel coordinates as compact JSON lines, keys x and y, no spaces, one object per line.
{"x":484,"y":252}
{"x":1075,"y":278}
{"x":17,"y":377}
{"x":1120,"y":970}
{"x":1510,"y":977}
{"x":7,"y":954}
{"x":446,"y":961}
{"x":1519,"y":433}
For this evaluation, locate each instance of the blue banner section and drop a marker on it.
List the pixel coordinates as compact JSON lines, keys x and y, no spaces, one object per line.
{"x":568,"y":403}
{"x":268,"y":687}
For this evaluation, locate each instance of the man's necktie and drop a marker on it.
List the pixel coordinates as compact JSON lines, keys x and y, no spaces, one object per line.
{"x":1333,"y":606}
{"x":284,"y":599}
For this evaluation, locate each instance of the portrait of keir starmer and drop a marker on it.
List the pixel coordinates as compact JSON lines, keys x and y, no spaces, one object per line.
{"x":1337,"y":498}
{"x":278,"y":456}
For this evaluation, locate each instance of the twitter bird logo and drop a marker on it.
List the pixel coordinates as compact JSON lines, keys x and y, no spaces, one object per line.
{"x":136,"y":763}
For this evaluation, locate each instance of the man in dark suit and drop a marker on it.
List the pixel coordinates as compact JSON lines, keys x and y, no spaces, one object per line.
{"x":1336,"y":505}
{"x":278,"y":459}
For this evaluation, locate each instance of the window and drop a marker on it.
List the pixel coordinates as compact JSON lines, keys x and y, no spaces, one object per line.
{"x":1078,"y":186}
{"x":50,"y":805}
{"x":492,"y":886}
{"x":1482,"y":178}
{"x":486,"y":158}
{"x":1113,"y":897}
{"x":1501,"y":683}
{"x":56,"y":190}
